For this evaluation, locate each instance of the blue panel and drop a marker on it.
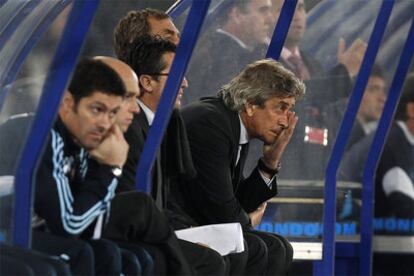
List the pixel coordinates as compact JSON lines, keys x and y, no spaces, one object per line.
{"x":185,"y":48}
{"x":375,"y":153}
{"x":61,"y":68}
{"x":281,"y":29}
{"x":343,"y":135}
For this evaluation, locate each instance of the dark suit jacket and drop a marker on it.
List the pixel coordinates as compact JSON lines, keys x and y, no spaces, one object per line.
{"x":176,"y":164}
{"x":217,"y":195}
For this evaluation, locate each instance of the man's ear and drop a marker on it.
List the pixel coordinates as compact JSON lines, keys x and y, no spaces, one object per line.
{"x":146,"y":83}
{"x":68,"y":102}
{"x":250,"y":108}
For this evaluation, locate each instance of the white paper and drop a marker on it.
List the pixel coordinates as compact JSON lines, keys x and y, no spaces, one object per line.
{"x":225,"y":238}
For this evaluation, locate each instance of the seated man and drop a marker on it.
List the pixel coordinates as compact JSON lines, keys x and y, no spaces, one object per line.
{"x":76,"y":178}
{"x":150,"y":55}
{"x":368,"y":114}
{"x":255,"y":104}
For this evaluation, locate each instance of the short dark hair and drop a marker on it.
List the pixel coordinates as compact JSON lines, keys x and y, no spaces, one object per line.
{"x":93,"y":75}
{"x":407,"y":96}
{"x":144,"y":55}
{"x":132,"y":26}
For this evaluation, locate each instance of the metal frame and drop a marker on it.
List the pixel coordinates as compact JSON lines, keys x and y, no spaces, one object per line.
{"x":327,"y":265}
{"x":62,"y":65}
{"x":20,"y":11}
{"x":16,"y":61}
{"x":281,"y":29}
{"x":368,"y":188}
{"x":191,"y":31}
{"x":178,"y":8}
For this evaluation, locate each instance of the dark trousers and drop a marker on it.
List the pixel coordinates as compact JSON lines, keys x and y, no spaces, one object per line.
{"x":14,"y":266}
{"x":87,"y":257}
{"x":135,"y":218}
{"x":77,"y":253}
{"x":269,"y":254}
{"x":36,"y":262}
{"x":204,"y":260}
{"x":237,"y":262}
{"x":145,"y":259}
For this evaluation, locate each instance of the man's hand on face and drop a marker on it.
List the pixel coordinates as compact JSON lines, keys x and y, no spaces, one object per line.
{"x":273,"y":152}
{"x":113,"y":150}
{"x":256,"y":215}
{"x":352,"y":57}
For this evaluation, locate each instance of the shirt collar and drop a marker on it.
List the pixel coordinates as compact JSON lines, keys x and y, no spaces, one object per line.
{"x":369,"y":127}
{"x":235,"y":38}
{"x":148,"y":112}
{"x":408,"y":134}
{"x":286,"y":53}
{"x":244,"y":136}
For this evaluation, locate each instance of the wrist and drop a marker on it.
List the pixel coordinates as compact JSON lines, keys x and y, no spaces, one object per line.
{"x":265,"y":167}
{"x":116,"y":171}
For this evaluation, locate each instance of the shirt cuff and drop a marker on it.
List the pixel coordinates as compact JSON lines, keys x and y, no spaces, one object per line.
{"x":268,"y":181}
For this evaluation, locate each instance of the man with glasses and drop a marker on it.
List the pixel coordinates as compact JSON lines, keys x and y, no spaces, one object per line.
{"x":151,"y":59}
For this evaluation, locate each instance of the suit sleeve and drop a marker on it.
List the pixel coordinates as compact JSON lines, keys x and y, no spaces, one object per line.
{"x":253,"y":191}
{"x":212,"y":190}
{"x":65,"y":211}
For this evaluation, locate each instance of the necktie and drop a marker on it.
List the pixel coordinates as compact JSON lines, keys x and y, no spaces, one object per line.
{"x":240,"y":162}
{"x":298,"y":67}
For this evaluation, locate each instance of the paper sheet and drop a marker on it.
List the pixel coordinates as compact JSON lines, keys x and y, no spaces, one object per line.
{"x":225,"y":238}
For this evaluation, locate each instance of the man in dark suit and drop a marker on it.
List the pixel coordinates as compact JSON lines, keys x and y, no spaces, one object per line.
{"x":255,"y":104}
{"x":369,"y":112}
{"x":307,"y":154}
{"x":151,"y":58}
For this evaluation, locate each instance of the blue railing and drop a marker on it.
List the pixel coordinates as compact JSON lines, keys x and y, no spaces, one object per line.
{"x":178,"y":8}
{"x":62,"y":65}
{"x":14,"y":62}
{"x":368,"y":188}
{"x":281,"y":29}
{"x":11,"y":16}
{"x":185,"y":48}
{"x":327,"y":266}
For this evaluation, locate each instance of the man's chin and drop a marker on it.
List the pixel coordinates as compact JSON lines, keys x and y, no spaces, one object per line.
{"x":269,"y":140}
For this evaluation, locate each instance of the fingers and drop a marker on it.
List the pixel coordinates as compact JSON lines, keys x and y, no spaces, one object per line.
{"x":262,"y":206}
{"x":358,"y":45}
{"x":117,"y":131}
{"x":341,"y":47}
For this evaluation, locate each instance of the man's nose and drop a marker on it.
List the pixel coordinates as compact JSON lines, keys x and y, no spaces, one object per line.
{"x":283,"y":121}
{"x":175,"y":38}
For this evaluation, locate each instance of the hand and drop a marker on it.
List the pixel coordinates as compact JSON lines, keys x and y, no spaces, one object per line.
{"x":256,"y":215}
{"x":352,"y":57}
{"x":273,"y":152}
{"x":113,"y":150}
